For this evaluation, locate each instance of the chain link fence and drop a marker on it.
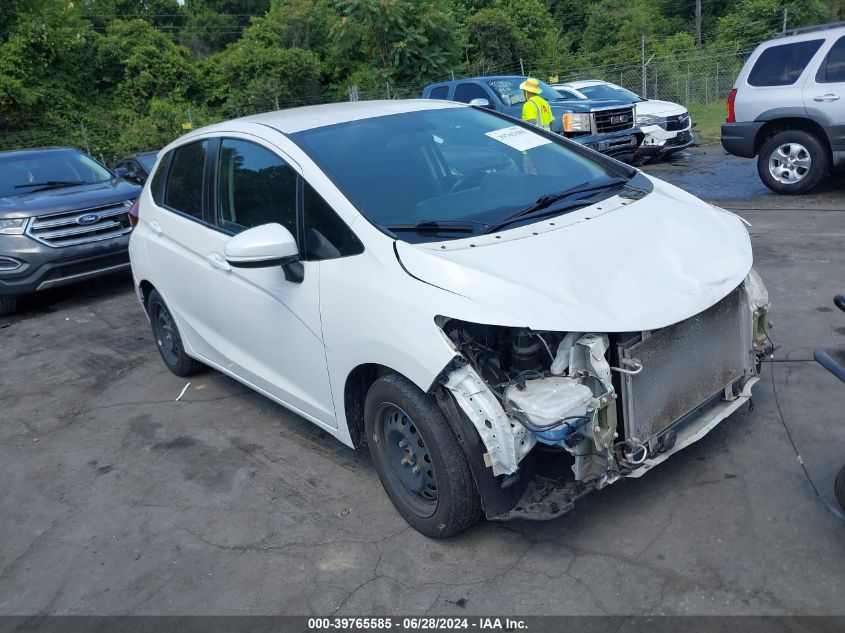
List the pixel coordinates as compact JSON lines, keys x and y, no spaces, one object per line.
{"x":700,"y":78}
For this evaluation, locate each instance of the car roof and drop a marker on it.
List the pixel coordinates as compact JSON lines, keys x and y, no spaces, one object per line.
{"x":34,"y":151}
{"x":310,"y":117}
{"x":584,"y":82}
{"x":821,"y":31}
{"x":153,"y":152}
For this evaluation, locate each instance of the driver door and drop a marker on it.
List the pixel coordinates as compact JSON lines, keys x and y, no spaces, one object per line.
{"x":268,"y":325}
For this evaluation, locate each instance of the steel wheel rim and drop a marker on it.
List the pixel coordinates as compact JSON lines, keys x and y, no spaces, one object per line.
{"x":790,"y":163}
{"x":408,"y":458}
{"x":165,"y":333}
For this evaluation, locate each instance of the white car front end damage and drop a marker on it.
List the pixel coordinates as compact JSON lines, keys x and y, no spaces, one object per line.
{"x":681,"y":328}
{"x":667,"y":127}
{"x":674,"y":385}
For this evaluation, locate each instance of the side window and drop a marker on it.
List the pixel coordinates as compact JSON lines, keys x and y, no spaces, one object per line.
{"x":326,"y":235}
{"x":782,"y":65}
{"x":185,"y":182}
{"x":565,"y":95}
{"x":254,"y":187}
{"x":439,"y":93}
{"x":467,"y":92}
{"x":131,"y":168}
{"x":832,"y":70}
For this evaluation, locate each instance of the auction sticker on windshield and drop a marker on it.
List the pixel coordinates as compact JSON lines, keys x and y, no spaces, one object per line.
{"x":518,"y":137}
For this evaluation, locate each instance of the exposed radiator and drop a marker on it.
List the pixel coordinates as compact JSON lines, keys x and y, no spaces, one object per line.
{"x":684,"y":365}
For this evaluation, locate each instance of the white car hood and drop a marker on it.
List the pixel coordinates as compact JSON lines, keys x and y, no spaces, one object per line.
{"x":655,"y":107}
{"x":617,"y":266}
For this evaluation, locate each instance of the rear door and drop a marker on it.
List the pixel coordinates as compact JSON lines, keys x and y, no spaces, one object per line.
{"x":824,"y":94}
{"x":179,"y":240}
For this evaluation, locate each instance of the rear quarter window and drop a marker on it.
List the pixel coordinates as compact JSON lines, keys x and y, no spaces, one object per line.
{"x":782,"y":65}
{"x":159,"y":178}
{"x":441,"y":92}
{"x":832,"y":71}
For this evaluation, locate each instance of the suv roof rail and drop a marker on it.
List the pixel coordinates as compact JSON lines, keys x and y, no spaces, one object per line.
{"x":811,"y":29}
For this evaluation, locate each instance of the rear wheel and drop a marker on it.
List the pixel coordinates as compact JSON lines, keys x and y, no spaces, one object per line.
{"x":168,"y":338}
{"x":8,"y":304}
{"x":792,"y":162}
{"x":418,"y":458}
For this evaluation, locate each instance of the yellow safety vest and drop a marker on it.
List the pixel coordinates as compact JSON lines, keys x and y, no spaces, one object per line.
{"x":537,"y":111}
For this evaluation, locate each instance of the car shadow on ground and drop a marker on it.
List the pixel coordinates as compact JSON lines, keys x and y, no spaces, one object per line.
{"x":63,"y":297}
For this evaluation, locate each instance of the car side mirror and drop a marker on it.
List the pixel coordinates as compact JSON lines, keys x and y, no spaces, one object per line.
{"x":262,"y":247}
{"x":480,"y":103}
{"x":122,"y":172}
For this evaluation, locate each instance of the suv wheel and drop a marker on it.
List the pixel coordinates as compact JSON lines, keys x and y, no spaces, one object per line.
{"x":418,"y":458}
{"x":792,"y":162}
{"x":168,"y":338}
{"x":8,"y":304}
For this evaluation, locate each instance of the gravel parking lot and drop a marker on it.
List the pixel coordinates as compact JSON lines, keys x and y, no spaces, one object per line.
{"x":120,"y":500}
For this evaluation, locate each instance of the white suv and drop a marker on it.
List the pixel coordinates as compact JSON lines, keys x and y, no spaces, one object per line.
{"x":452,"y":288}
{"x":787,"y":107}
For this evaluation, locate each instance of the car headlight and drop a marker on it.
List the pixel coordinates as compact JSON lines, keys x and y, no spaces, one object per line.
{"x":12,"y":226}
{"x":649,"y":119}
{"x":577,"y":122}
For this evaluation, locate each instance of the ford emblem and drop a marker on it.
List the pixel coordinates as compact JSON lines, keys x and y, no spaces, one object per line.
{"x":88,"y":218}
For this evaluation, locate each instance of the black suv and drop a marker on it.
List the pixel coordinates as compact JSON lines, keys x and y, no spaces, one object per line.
{"x":63,"y":218}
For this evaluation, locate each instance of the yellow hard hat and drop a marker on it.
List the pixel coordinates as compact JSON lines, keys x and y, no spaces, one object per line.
{"x":531,"y":85}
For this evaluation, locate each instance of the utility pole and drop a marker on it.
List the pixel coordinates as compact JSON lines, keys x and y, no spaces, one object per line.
{"x":521,"y":67}
{"x":642,"y":59}
{"x":785,"y":14}
{"x":698,"y":23}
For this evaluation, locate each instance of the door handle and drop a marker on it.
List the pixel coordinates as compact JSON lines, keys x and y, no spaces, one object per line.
{"x":828,"y":97}
{"x":218,"y":261}
{"x":156,"y":227}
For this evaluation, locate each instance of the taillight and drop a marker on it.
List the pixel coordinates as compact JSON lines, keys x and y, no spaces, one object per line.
{"x":731,"y":100}
{"x":133,"y":214}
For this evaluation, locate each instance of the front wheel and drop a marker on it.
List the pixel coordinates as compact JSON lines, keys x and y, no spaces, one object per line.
{"x":792,"y":162}
{"x":418,"y":458}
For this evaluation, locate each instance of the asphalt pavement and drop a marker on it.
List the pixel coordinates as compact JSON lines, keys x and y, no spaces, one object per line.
{"x":117,"y":499}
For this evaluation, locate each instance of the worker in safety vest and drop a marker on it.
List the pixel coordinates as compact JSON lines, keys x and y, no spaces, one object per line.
{"x":535,"y":110}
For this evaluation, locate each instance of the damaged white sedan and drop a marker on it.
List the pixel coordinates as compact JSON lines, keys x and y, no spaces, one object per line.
{"x":506,"y":319}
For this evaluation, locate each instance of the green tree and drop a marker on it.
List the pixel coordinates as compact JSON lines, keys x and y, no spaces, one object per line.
{"x":258,"y":73}
{"x":404,"y":41}
{"x":494,"y":41}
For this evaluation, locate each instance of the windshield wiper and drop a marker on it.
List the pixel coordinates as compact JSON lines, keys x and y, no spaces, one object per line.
{"x":50,"y":184}
{"x":544,"y":202}
{"x":437,"y":226}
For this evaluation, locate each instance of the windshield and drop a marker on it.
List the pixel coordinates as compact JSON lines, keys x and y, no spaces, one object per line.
{"x":446,"y":166}
{"x":147,"y":161}
{"x":511,"y":94}
{"x":25,"y":173}
{"x":608,"y":91}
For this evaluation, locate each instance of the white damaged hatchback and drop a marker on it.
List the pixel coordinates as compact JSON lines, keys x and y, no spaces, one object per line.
{"x":506,"y":319}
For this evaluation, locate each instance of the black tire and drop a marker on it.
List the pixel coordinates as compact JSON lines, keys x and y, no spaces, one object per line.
{"x":8,"y":304}
{"x":839,"y":487}
{"x":168,"y":339}
{"x":810,"y":162}
{"x":440,"y":499}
